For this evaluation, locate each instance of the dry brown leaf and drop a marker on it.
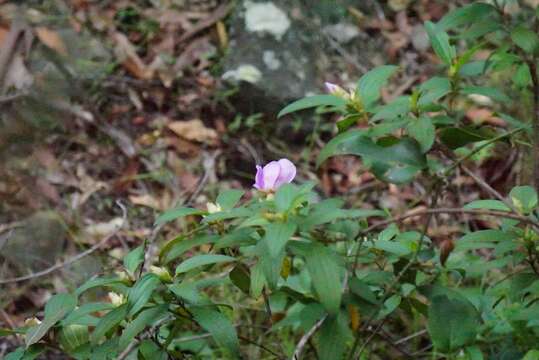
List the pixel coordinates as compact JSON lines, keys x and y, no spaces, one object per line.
{"x":51,"y":39}
{"x":150,"y":201}
{"x":127,"y":55}
{"x":194,"y":130}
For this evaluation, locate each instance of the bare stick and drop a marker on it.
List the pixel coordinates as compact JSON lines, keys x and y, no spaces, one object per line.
{"x":305,"y":338}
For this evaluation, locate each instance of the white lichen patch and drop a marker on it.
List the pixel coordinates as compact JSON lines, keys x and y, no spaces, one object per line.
{"x":271,"y":60}
{"x":245,"y":72}
{"x":265,"y":17}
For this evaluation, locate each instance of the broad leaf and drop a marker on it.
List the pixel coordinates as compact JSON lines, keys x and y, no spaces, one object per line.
{"x":488,"y":205}
{"x":440,"y":43}
{"x":134,"y":259}
{"x":202,"y":260}
{"x":143,"y":319}
{"x":452,"y":323}
{"x":56,"y":309}
{"x":109,"y":321}
{"x":423,"y":131}
{"x":312,"y":102}
{"x":141,"y":292}
{"x":490,"y":92}
{"x":369,"y":85}
{"x":524,"y":198}
{"x":324,"y":268}
{"x":465,"y":15}
{"x":220,"y":327}
{"x":525,"y":38}
{"x":229,"y":198}
{"x":177,"y":213}
{"x":276,"y":237}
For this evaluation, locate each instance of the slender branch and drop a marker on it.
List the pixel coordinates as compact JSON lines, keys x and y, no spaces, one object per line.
{"x":477,"y":212}
{"x":305,"y":338}
{"x":74,"y":258}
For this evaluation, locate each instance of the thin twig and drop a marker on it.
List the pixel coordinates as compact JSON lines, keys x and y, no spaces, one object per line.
{"x":74,"y":258}
{"x":477,"y":212}
{"x":305,"y":338}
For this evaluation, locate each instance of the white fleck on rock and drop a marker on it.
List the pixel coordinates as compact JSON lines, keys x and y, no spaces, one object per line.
{"x":342,"y":32}
{"x":271,"y":60}
{"x":246,"y":72}
{"x":265,"y":17}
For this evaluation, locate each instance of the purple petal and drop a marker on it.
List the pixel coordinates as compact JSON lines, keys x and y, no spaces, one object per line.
{"x":270,"y":174}
{"x":259,"y":178}
{"x":332,"y":88}
{"x":287,"y":173}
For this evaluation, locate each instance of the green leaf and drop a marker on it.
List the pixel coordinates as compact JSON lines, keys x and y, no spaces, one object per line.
{"x":423,"y":131}
{"x":347,"y":122}
{"x":107,"y":322}
{"x":146,"y":317}
{"x":141,"y":292}
{"x":285,"y":196}
{"x":134,"y":259}
{"x":400,"y":151}
{"x":220,"y":327}
{"x":361,"y":289}
{"x":479,"y":29}
{"x":531,"y":355}
{"x":201,"y":260}
{"x":150,"y":351}
{"x":523,"y":76}
{"x":398,"y":107}
{"x":525,"y":39}
{"x":325,"y":269}
{"x":241,"y":236}
{"x":182,"y":245}
{"x":312,"y":102}
{"x":452,"y":323}
{"x":369,"y":85}
{"x":483,"y":238}
{"x":440,"y":43}
{"x":229,"y":198}
{"x":258,"y":280}
{"x":228,"y":214}
{"x":390,"y":305}
{"x":433,"y":90}
{"x":240,"y":277}
{"x":455,"y":137}
{"x":276,"y":237}
{"x":465,"y":15}
{"x":56,"y":309}
{"x":488,"y":205}
{"x":524,"y":198}
{"x":174,"y":214}
{"x":333,"y":337}
{"x":76,"y":317}
{"x":97,"y":282}
{"x":490,"y":92}
{"x":73,"y":336}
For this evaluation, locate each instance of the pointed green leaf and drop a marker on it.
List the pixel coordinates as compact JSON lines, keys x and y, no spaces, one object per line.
{"x":452,"y":323}
{"x":229,"y":198}
{"x":56,"y":309}
{"x":134,"y":259}
{"x":201,"y":260}
{"x":141,"y":292}
{"x":440,"y":43}
{"x":145,"y":318}
{"x":325,"y":270}
{"x":176,"y":214}
{"x":525,"y":38}
{"x":312,"y":102}
{"x":220,"y":327}
{"x":370,"y":84}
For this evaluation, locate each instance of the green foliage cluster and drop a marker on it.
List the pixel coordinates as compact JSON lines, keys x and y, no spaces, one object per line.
{"x":336,"y":280}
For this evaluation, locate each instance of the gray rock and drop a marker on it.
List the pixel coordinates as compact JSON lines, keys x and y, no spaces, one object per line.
{"x":281,"y":50}
{"x":37,"y":244}
{"x":270,"y":56}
